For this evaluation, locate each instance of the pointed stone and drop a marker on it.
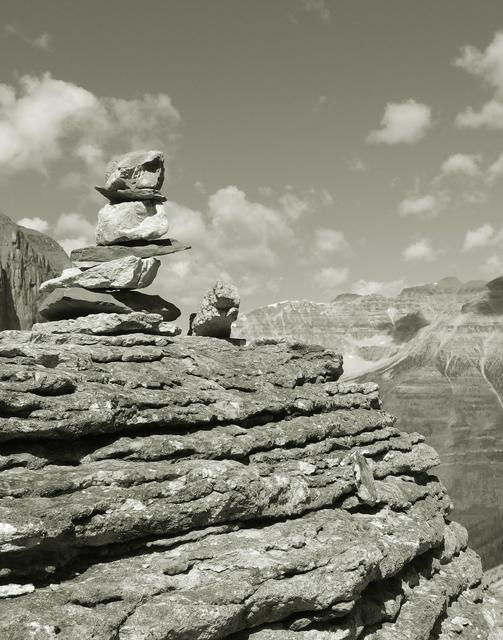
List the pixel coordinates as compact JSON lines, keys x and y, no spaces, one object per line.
{"x":131,"y":221}
{"x":125,"y":273}
{"x":99,"y":254}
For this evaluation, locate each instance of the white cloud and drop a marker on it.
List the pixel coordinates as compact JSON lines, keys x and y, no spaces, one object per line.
{"x":493,"y":266}
{"x":73,"y":230}
{"x":390,"y":288}
{"x":487,"y":65}
{"x":234,"y":237}
{"x":476,"y":238}
{"x":404,"y":122}
{"x":43,"y":119}
{"x":35,"y":223}
{"x":420,"y":250}
{"x":42,"y":41}
{"x":329,"y":240}
{"x":357,"y":164}
{"x":320,"y":7}
{"x":495,"y":169}
{"x":330,"y":278}
{"x":461,"y":163}
{"x":427,"y":206}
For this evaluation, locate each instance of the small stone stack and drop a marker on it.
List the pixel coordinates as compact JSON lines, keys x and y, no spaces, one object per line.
{"x":132,"y":231}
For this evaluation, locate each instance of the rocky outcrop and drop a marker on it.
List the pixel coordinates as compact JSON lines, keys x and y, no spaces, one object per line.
{"x":188,"y":488}
{"x":27,"y":258}
{"x":436,"y":352}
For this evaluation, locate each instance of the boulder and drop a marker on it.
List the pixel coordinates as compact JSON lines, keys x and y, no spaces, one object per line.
{"x":112,"y":252}
{"x":74,"y":302}
{"x":125,"y":273}
{"x":105,"y":324}
{"x":131,"y":221}
{"x":135,"y":170}
{"x":219,"y":309}
{"x":127,"y":195}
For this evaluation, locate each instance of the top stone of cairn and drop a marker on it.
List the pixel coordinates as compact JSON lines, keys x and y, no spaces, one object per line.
{"x":137,"y":175}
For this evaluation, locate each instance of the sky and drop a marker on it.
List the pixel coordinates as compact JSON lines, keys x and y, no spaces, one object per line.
{"x":313,"y":147}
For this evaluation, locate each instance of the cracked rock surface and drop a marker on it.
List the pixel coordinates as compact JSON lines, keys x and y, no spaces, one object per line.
{"x":156,"y":487}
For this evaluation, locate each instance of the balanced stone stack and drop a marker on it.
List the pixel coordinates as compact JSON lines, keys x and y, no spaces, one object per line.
{"x":131,"y":233}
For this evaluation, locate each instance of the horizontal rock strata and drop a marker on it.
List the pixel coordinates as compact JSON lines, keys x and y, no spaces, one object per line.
{"x":185,"y":488}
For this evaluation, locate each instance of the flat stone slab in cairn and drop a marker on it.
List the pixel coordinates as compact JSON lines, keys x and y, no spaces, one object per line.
{"x":135,"y":170}
{"x":131,"y":221}
{"x":127,"y":195}
{"x":97,"y":254}
{"x":110,"y":324}
{"x":125,"y":273}
{"x":73,"y":302}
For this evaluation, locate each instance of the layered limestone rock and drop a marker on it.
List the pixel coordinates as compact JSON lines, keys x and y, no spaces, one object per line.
{"x":187,"y":488}
{"x":27,"y":258}
{"x":219,"y":309}
{"x":436,"y":352}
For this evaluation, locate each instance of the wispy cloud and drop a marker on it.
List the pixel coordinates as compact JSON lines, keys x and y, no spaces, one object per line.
{"x":42,"y":41}
{"x":319,"y":7}
{"x":402,"y":123}
{"x":425,"y":206}
{"x":43,"y":119}
{"x":465,"y":164}
{"x":487,"y":65}
{"x":389,"y":288}
{"x":421,"y":251}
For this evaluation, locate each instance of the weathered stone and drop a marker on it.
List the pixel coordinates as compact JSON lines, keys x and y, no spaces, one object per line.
{"x":124,"y":273}
{"x":135,"y":170}
{"x":128,"y":195}
{"x":131,"y":221}
{"x":104,"y":324}
{"x":113,"y":252}
{"x":74,"y":302}
{"x":190,"y":489}
{"x":219,"y":309}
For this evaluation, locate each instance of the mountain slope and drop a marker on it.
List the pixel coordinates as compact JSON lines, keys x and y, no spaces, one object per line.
{"x":27,"y":258}
{"x":437,"y":353}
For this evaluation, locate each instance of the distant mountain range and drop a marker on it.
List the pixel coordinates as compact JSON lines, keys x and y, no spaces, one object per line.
{"x":27,"y":258}
{"x":437,"y":353}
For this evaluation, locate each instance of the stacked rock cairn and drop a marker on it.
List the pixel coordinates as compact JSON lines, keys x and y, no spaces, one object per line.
{"x":99,"y":293}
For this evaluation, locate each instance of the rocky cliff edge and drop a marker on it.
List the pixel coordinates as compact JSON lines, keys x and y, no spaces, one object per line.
{"x":186,"y":488}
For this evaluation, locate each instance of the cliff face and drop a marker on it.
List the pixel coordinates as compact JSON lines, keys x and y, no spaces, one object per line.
{"x":27,"y":258}
{"x":437,"y":353}
{"x":187,"y":488}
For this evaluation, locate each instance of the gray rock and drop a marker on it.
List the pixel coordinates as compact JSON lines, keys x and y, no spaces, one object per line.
{"x":125,"y":273}
{"x":127,"y":195}
{"x":131,"y":221}
{"x":104,"y":324}
{"x":112,"y":252}
{"x":219,"y":309}
{"x":135,"y":170}
{"x":74,"y":302}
